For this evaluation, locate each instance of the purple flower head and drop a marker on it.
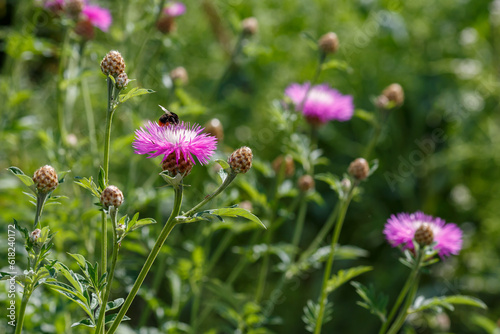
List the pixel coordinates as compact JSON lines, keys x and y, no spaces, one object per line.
{"x":174,"y":9}
{"x":400,"y":230}
{"x":98,"y":16}
{"x":323,"y":103}
{"x":183,"y":138}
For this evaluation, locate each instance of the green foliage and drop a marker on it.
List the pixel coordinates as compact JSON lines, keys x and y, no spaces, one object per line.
{"x":376,"y":304}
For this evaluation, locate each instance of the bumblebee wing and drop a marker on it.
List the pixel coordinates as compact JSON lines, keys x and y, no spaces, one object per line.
{"x":165,"y":110}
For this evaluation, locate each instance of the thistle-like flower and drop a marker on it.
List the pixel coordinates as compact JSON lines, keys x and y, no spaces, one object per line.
{"x":183,"y":139}
{"x":45,"y":179}
{"x":98,"y":16}
{"x":400,"y":230}
{"x":322,"y":103}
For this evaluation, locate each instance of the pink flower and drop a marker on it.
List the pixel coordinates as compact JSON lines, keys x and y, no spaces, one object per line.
{"x":174,"y":9}
{"x":400,"y":230}
{"x":98,"y":16}
{"x":323,"y":103}
{"x":183,"y":138}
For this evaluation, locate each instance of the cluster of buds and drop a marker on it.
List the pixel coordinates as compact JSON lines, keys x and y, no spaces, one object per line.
{"x":329,"y":43}
{"x":392,"y":96}
{"x":249,"y":26}
{"x":241,"y":160}
{"x":359,"y":169}
{"x":287,"y":161}
{"x":114,"y":65}
{"x":182,"y":166}
{"x":111,"y":196}
{"x":45,"y":179}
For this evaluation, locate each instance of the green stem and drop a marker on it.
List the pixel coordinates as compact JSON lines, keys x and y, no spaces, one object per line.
{"x":59,"y":90}
{"x":299,"y":225}
{"x":22,"y":310}
{"x":324,"y":293}
{"x":400,"y":320}
{"x":171,"y":222}
{"x":40,"y":202}
{"x":100,"y":327}
{"x":230,"y":178}
{"x":403,"y":293}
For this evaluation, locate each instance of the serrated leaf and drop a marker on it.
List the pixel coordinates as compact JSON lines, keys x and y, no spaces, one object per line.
{"x":136,"y":91}
{"x":24,"y":231}
{"x":376,"y":304}
{"x":344,"y":276}
{"x":88,"y":184}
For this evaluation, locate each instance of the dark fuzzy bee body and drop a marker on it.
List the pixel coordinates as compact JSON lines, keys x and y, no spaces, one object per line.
{"x":168,"y":118}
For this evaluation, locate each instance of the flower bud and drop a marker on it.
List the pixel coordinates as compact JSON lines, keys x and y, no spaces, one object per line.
{"x":122,"y":80}
{"x":250,"y":26}
{"x":247,"y":205}
{"x":85,"y":29}
{"x":166,"y":24}
{"x":111,"y":196}
{"x":45,"y":179}
{"x":329,"y":43}
{"x":289,"y":165}
{"x":214,"y":127}
{"x":179,"y":75}
{"x":35,"y":235}
{"x":173,"y":166}
{"x":424,"y":235}
{"x":305,"y":183}
{"x":359,"y":169}
{"x":74,"y":7}
{"x":393,"y":93}
{"x":241,"y":160}
{"x":113,"y":64}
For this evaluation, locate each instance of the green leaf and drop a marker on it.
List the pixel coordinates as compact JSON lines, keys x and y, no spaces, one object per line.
{"x":143,"y":222}
{"x":24,"y":231}
{"x":335,"y":64}
{"x":80,"y":259}
{"x":111,"y":317}
{"x":62,"y":175}
{"x":344,"y":276}
{"x":485,"y":323}
{"x":447,"y":302}
{"x":223,"y":164}
{"x":365,"y":116}
{"x":376,"y":304}
{"x":114,"y":304}
{"x":28,"y":181}
{"x":237,"y":212}
{"x":136,"y":91}
{"x":101,"y":179}
{"x":85,"y":322}
{"x":88,"y":184}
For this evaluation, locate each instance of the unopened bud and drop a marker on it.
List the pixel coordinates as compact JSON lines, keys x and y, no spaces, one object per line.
{"x":215,"y":128}
{"x":45,"y":179}
{"x":113,"y":64}
{"x":424,"y":235}
{"x":359,"y":169}
{"x":181,"y":166}
{"x":74,"y":7}
{"x":35,"y":235}
{"x":166,"y":24}
{"x":85,"y":29}
{"x":179,"y":75}
{"x":306,"y":183}
{"x":289,"y":165}
{"x":250,"y":26}
{"x":122,"y":80}
{"x":111,"y":196}
{"x":393,"y":93}
{"x":329,"y":43}
{"x":241,"y":160}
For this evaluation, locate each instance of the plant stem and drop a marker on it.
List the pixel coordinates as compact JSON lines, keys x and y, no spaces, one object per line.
{"x":207,"y":199}
{"x":171,"y":222}
{"x":324,"y":293}
{"x":100,"y":327}
{"x":22,"y":310}
{"x":59,"y":84}
{"x":299,"y":224}
{"x":403,"y":293}
{"x":40,"y":202}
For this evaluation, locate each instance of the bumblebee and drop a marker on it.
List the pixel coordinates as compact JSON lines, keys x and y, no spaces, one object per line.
{"x":168,"y":118}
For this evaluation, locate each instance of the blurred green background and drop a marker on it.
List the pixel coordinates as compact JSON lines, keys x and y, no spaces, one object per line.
{"x":445,"y":54}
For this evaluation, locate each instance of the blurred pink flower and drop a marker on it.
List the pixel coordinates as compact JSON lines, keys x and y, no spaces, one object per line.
{"x":174,"y":9}
{"x":400,"y":231}
{"x":98,"y":16}
{"x":323,"y":103}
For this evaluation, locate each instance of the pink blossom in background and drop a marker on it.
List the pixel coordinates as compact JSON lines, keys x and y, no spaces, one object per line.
{"x":98,"y":16}
{"x":322,"y":104}
{"x":174,"y":9}
{"x":400,"y":230}
{"x":184,"y":138}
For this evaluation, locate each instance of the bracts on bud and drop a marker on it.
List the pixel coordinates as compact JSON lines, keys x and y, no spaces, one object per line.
{"x":45,"y":179}
{"x":113,"y":64}
{"x":241,"y":160}
{"x":359,"y":169}
{"x":424,"y":235}
{"x":111,"y":196}
{"x":176,"y":166}
{"x":329,"y":43}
